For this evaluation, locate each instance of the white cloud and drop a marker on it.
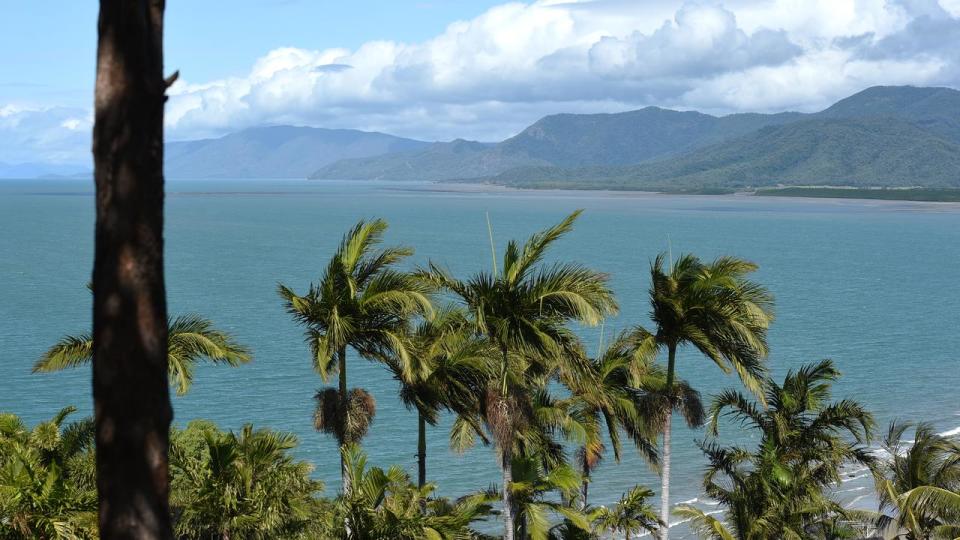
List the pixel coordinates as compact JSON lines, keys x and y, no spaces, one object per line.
{"x":48,"y":134}
{"x":490,"y":76}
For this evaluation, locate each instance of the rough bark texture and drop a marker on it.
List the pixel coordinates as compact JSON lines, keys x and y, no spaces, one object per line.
{"x":131,"y":398}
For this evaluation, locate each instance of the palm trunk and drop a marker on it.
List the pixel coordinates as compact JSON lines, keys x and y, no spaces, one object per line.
{"x":344,"y":404}
{"x":667,"y":429}
{"x":584,"y":488}
{"x":506,"y":458}
{"x":130,"y":386}
{"x":421,"y":450}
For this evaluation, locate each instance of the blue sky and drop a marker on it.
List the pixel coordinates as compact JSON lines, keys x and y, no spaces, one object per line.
{"x":479,"y":69}
{"x":48,"y":47}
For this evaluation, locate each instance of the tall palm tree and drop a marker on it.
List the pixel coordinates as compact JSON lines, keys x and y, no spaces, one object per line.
{"x":190,"y":339}
{"x":608,"y":399}
{"x":782,"y":489}
{"x":631,"y":514}
{"x":919,"y":484}
{"x":717,"y":310}
{"x":445,"y":368}
{"x":522,"y":310}
{"x":361,"y":302}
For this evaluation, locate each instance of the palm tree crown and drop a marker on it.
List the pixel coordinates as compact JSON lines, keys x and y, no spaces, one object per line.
{"x":721,"y":313}
{"x":190,"y":339}
{"x":782,"y":488}
{"x":364,"y":303}
{"x":522,"y":310}
{"x":919,"y":484}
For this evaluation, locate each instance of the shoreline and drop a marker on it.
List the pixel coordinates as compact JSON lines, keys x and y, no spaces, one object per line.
{"x":485,"y":188}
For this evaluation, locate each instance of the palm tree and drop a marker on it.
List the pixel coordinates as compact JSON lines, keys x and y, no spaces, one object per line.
{"x":717,"y":310}
{"x":919,"y":484}
{"x":190,"y":339}
{"x":782,"y":489}
{"x":609,"y":398}
{"x":361,"y":302}
{"x":385,"y":504}
{"x":239,"y":485}
{"x":47,"y":478}
{"x":522,"y":311}
{"x":631,"y":514}
{"x":531,"y":487}
{"x":445,"y":367}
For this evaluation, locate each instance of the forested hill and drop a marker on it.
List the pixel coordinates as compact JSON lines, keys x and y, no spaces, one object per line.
{"x":882,"y":136}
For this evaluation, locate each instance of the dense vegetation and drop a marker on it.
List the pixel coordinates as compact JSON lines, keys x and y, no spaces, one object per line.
{"x":497,"y":350}
{"x":910,"y":194}
{"x":882,"y":136}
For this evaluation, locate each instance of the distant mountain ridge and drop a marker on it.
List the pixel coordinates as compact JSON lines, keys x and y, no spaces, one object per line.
{"x":882,"y":136}
{"x":276,"y":152}
{"x":44,"y":170}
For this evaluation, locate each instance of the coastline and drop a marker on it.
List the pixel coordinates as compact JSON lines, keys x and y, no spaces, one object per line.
{"x":493,"y":189}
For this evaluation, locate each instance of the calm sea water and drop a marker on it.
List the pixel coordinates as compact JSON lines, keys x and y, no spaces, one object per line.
{"x":872,"y":285}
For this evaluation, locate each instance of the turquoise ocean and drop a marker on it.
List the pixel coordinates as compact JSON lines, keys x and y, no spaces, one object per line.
{"x":871,"y":284}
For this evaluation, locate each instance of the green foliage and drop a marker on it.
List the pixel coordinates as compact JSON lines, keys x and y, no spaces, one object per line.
{"x":385,"y":504}
{"x":631,"y":514}
{"x":919,"y":484}
{"x":782,"y":488}
{"x":47,"y":480}
{"x":360,"y":302}
{"x":244,"y":485}
{"x":532,"y":487}
{"x":190,"y":339}
{"x":895,"y":194}
{"x":521,"y":309}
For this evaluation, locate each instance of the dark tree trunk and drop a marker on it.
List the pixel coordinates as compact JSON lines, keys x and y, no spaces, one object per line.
{"x":585,"y":486}
{"x":131,"y":398}
{"x":421,"y":450}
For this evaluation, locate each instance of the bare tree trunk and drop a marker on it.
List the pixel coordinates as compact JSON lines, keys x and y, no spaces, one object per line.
{"x":344,"y":405}
{"x":667,"y":432}
{"x":131,"y":398}
{"x":585,"y":486}
{"x":421,"y":450}
{"x":508,"y":510}
{"x":665,"y":479}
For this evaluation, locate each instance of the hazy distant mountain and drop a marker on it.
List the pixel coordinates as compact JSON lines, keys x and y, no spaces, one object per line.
{"x":276,"y":152}
{"x":439,"y":161}
{"x":882,"y":136}
{"x":43,"y":170}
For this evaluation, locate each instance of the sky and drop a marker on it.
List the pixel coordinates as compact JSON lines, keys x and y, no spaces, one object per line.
{"x":475,"y":69}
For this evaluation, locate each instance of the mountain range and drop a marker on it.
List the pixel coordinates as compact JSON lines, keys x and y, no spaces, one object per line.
{"x":276,"y":152}
{"x":882,"y":136}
